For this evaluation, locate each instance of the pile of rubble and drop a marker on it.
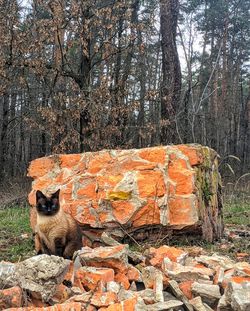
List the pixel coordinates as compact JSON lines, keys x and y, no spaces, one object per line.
{"x":114,"y":278}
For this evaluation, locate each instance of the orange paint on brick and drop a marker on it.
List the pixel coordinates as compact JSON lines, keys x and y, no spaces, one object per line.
{"x":93,"y":278}
{"x":62,"y":293}
{"x":240,"y":279}
{"x":108,"y":257}
{"x":68,"y":306}
{"x":156,"y":155}
{"x":148,"y":214}
{"x":40,"y":167}
{"x":177,"y":163}
{"x":186,"y":288}
{"x":182,"y":211}
{"x":11,"y":298}
{"x":132,"y":165}
{"x":158,"y":254}
{"x":108,"y":181}
{"x":183,"y":177}
{"x":126,"y":305}
{"x":87,"y":216}
{"x":123,"y":280}
{"x":133,"y":274}
{"x":69,"y":160}
{"x":122,"y":210}
{"x":103,"y":299}
{"x":184,"y":180}
{"x":195,"y":157}
{"x":199,"y":265}
{"x":103,"y":216}
{"x":88,"y":191}
{"x":99,"y":162}
{"x":151,"y":184}
{"x":41,"y":183}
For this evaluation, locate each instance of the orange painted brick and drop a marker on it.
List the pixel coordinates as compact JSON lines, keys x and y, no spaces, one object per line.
{"x":151,"y":184}
{"x":68,"y":306}
{"x":122,"y":279}
{"x":147,"y":215}
{"x":98,"y":162}
{"x":156,"y":155}
{"x":11,"y":298}
{"x":126,"y":305}
{"x":133,"y":274}
{"x":62,"y":294}
{"x":158,"y":254}
{"x":69,"y":160}
{"x":194,"y":155}
{"x":131,"y":165}
{"x":88,"y":191}
{"x":108,"y":181}
{"x":114,"y":257}
{"x":41,"y":167}
{"x":183,"y":210}
{"x":240,"y":279}
{"x":93,"y":278}
{"x":184,"y":180}
{"x":122,"y":210}
{"x":103,"y":299}
{"x":186,"y":288}
{"x":156,"y":186}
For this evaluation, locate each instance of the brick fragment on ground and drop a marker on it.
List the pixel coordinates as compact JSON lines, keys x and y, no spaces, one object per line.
{"x":210,"y":294}
{"x":186,"y":288}
{"x":93,"y":278}
{"x":11,"y":298}
{"x":114,"y":257}
{"x":108,"y":282}
{"x":181,"y":273}
{"x":173,"y":253}
{"x":125,"y":305}
{"x":69,"y":306}
{"x":198,"y":304}
{"x":237,"y":295}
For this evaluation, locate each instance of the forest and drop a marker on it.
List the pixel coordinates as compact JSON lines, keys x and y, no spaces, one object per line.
{"x":78,"y":76}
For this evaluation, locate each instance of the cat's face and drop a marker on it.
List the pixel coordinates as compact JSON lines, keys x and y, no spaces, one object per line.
{"x":47,"y":206}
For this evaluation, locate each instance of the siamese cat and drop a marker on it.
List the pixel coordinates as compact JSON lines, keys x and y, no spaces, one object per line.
{"x":57,"y":233}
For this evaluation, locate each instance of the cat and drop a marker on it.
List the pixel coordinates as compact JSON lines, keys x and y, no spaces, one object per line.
{"x":57,"y":233}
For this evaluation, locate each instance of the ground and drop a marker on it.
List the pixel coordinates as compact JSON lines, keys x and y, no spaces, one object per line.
{"x":16,"y":241}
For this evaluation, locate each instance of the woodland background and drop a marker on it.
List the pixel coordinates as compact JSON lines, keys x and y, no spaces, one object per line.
{"x":80,"y":76}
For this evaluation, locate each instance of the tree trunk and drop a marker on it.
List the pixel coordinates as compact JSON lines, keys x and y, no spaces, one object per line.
{"x":3,"y":137}
{"x":171,"y":71}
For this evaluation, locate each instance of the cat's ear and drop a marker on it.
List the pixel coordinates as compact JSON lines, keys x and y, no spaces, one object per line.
{"x":40,"y":195}
{"x":55,"y":195}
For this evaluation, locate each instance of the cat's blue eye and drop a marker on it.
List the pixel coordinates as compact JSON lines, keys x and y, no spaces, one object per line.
{"x":44,"y":206}
{"x":53,"y":206}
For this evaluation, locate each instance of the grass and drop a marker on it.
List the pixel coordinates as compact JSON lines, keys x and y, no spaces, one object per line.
{"x":237,"y":213}
{"x":16,"y":241}
{"x":15,"y":234}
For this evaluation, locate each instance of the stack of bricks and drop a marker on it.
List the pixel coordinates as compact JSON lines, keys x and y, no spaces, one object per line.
{"x":171,"y":187}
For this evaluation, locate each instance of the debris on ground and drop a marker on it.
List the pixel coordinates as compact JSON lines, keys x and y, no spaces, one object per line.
{"x":167,"y":278}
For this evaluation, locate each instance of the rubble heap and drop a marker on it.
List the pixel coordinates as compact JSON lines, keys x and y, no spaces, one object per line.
{"x":114,"y":278}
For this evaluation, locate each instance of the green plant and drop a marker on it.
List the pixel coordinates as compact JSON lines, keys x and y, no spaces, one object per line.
{"x":15,"y":234}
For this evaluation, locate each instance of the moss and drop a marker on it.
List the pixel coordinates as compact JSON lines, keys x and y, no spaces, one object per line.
{"x":206,"y":191}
